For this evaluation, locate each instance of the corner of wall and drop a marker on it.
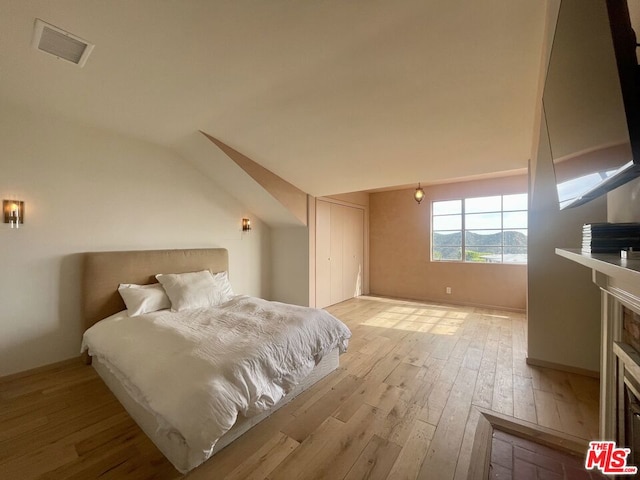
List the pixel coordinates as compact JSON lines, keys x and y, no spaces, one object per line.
{"x":563,"y":303}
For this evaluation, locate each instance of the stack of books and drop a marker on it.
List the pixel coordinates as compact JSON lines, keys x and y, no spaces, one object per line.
{"x":610,"y":237}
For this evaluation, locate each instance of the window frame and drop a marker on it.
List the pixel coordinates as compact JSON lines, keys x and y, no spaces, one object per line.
{"x":463,"y":228}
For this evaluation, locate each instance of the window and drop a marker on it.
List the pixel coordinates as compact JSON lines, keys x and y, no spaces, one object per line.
{"x":481,"y":230}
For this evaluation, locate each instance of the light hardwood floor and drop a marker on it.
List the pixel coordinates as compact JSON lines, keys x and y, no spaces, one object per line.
{"x":401,"y":406}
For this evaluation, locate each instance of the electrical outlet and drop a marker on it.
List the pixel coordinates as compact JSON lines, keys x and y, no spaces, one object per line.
{"x":448,"y":290}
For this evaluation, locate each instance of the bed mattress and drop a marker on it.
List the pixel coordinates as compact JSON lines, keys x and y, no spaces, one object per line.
{"x":172,"y":444}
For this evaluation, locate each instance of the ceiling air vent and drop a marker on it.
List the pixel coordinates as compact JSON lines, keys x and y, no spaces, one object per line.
{"x":59,"y":43}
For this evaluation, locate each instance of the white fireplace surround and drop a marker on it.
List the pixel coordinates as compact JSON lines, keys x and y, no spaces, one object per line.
{"x":619,"y":282}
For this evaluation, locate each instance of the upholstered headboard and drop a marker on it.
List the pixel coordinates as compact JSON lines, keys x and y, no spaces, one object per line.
{"x":102,"y":272}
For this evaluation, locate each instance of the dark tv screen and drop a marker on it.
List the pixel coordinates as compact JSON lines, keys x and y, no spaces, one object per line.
{"x":591,"y":98}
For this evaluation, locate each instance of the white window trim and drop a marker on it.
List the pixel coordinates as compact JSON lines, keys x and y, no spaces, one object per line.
{"x":463,"y":230}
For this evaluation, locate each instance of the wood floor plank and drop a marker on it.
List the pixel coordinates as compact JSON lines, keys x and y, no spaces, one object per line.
{"x":561,"y":387}
{"x":78,"y":425}
{"x":472,"y":357}
{"x":375,"y":461}
{"x":464,"y":457}
{"x":99,"y":463}
{"x":590,"y":411}
{"x":371,"y":379}
{"x":502,"y":401}
{"x":462,"y":345}
{"x":483,"y":393}
{"x":296,"y":464}
{"x":524,"y":405}
{"x":339,"y":454}
{"x":542,"y":380}
{"x":384,"y":397}
{"x":20,"y":426}
{"x":446,"y":343}
{"x":403,"y":374}
{"x":408,"y":463}
{"x":230,"y":457}
{"x":519,"y":346}
{"x":438,"y":397}
{"x":571,"y":420}
{"x":308,"y":420}
{"x":442,"y":458}
{"x":419,"y":390}
{"x":418,"y":352}
{"x":583,"y":387}
{"x":307,"y":398}
{"x":265,"y":460}
{"x":34,"y":463}
{"x":399,"y":422}
{"x":547,"y":409}
{"x":378,"y":345}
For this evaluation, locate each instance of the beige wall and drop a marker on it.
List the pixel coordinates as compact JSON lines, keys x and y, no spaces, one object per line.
{"x":290,"y":265}
{"x":623,"y":203}
{"x":564,"y":304}
{"x":88,"y":189}
{"x":400,"y":246}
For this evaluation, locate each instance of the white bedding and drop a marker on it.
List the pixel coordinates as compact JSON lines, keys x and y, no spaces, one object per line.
{"x":197,"y":369}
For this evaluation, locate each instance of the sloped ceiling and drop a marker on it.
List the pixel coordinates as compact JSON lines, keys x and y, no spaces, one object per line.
{"x":332,"y":96}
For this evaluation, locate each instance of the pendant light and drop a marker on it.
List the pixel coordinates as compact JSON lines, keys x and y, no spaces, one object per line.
{"x":418,"y":195}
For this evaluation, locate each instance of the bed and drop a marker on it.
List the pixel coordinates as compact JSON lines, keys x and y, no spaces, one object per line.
{"x":103,"y":309}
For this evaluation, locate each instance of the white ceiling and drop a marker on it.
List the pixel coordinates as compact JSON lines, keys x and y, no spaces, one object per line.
{"x":331,"y":95}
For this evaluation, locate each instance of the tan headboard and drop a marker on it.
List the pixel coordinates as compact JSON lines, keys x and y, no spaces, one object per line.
{"x":102,"y":272}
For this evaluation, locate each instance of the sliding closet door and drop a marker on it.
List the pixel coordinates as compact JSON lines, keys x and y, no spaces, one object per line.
{"x":352,"y":252}
{"x":323,"y":254}
{"x":339,"y":252}
{"x":337,"y":242}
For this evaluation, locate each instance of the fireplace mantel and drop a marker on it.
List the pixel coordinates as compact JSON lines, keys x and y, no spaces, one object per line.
{"x":619,"y":281}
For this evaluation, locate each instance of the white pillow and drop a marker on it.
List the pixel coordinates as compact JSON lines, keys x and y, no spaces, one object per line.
{"x":195,"y":289}
{"x":141,"y":299}
{"x":223,"y":286}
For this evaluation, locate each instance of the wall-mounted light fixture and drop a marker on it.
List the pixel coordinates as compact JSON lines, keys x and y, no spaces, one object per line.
{"x":246,"y":225}
{"x":418,"y":195}
{"x":13,"y":212}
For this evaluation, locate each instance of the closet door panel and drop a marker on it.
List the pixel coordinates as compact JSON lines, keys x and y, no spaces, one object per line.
{"x":339,"y":252}
{"x":337,"y":245}
{"x":323,"y":254}
{"x":353,"y":252}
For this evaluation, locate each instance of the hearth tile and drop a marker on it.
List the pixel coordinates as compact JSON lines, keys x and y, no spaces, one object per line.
{"x":498,"y":472}
{"x":523,"y":470}
{"x":502,"y":453}
{"x":539,"y":460}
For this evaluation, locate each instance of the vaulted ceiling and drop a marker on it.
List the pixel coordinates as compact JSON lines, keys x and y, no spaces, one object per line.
{"x":331,"y":95}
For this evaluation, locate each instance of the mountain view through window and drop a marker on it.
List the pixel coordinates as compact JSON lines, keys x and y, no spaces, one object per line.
{"x":481,"y":229}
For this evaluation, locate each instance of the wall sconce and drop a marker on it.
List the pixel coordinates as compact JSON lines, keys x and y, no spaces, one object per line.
{"x":246,"y":225}
{"x":418,"y":195}
{"x":13,"y":212}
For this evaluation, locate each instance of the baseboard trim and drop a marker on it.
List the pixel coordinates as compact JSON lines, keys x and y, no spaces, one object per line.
{"x":563,"y":368}
{"x":41,"y":369}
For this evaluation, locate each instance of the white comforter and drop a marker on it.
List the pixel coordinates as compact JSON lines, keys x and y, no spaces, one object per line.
{"x":196,"y":370}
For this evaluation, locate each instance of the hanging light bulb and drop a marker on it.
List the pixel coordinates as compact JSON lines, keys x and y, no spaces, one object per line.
{"x":418,"y":194}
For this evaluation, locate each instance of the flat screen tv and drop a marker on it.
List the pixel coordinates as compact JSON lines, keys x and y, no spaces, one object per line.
{"x":591,"y":98}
